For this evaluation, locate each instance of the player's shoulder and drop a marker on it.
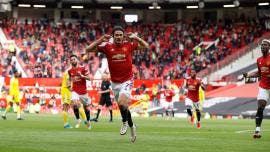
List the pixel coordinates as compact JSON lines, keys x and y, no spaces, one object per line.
{"x":67,"y":70}
{"x":198,"y":79}
{"x":187,"y":78}
{"x":259,"y":59}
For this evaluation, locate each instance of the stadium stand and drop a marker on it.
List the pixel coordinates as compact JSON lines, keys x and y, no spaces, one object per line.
{"x":45,"y":45}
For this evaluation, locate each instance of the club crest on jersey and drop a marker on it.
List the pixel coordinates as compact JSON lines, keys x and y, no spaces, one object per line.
{"x":124,"y":49}
{"x":112,"y":50}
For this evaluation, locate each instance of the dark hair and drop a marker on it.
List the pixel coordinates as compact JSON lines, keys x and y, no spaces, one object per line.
{"x":73,"y":55}
{"x":117,"y":28}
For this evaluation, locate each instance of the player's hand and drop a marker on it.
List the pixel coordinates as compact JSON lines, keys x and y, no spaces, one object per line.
{"x":105,"y":38}
{"x":132,"y":35}
{"x":81,"y":75}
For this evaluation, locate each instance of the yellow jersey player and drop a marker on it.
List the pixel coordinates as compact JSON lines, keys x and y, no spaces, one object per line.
{"x":14,"y":96}
{"x":66,"y":98}
{"x":66,"y":102}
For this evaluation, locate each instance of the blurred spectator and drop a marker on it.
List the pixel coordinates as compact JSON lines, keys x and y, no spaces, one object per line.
{"x":45,"y":46}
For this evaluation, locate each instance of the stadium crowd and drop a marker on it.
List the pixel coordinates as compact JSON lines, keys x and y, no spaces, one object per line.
{"x":45,"y":45}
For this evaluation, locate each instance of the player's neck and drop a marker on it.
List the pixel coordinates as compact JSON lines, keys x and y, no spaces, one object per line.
{"x":75,"y":66}
{"x":265,"y":55}
{"x":117,"y":44}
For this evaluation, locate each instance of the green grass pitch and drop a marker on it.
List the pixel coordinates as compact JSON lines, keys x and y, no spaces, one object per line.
{"x":45,"y":133}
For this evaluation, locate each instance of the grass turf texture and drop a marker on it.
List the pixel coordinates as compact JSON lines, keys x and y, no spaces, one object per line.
{"x":45,"y":133}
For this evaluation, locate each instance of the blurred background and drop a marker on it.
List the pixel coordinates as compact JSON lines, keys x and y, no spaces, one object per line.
{"x":218,"y":38}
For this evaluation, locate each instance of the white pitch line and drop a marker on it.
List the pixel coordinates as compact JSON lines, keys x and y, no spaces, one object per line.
{"x":244,"y":131}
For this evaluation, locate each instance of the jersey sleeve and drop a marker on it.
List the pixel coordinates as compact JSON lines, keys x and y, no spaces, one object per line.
{"x":102,"y":47}
{"x":85,"y":71}
{"x":259,"y":71}
{"x":134,"y":45}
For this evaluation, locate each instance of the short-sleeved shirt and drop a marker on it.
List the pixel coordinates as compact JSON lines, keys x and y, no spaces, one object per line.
{"x":64,"y":84}
{"x":263,"y":64}
{"x":193,"y":86}
{"x":78,"y":83}
{"x":14,"y":86}
{"x":105,"y":85}
{"x":169,"y":93}
{"x":119,"y":60}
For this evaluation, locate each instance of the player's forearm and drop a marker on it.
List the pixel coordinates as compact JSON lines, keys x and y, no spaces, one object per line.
{"x":105,"y":91}
{"x":252,"y":75}
{"x":203,"y":87}
{"x":143,"y":44}
{"x":87,"y":77}
{"x":93,"y":46}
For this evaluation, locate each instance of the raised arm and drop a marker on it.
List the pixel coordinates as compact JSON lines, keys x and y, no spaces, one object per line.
{"x":142,"y":44}
{"x":93,"y":46}
{"x":184,"y":88}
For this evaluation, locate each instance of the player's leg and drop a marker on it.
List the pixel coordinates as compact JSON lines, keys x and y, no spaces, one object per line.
{"x":172,"y":110}
{"x":123,"y":110}
{"x":75,"y":102}
{"x":198,"y":113}
{"x":111,"y":113}
{"x":9,"y":105}
{"x":17,"y":101}
{"x":109,"y":106}
{"x":82,"y":113}
{"x":66,"y":102}
{"x":123,"y":100}
{"x":262,"y":98}
{"x":188,"y":104}
{"x":166,"y":112}
{"x":75,"y":108}
{"x":98,"y":113}
{"x":101,"y":103}
{"x":66,"y":107}
{"x":85,"y":100}
{"x":259,"y":118}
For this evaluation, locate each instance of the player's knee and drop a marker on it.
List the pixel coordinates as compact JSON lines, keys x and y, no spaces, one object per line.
{"x":65,"y":107}
{"x":261,"y":104}
{"x":123,"y":107}
{"x":75,"y":106}
{"x":123,"y":100}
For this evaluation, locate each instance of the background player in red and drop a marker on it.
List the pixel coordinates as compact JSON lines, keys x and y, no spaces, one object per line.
{"x":169,"y":94}
{"x":263,"y":72}
{"x":119,"y":56}
{"x":192,"y":84}
{"x":78,"y":76}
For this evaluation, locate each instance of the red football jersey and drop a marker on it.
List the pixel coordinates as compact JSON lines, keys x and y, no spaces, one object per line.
{"x":193,"y":86}
{"x":119,"y":60}
{"x":263,"y":64}
{"x":169,"y":93}
{"x":78,"y":83}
